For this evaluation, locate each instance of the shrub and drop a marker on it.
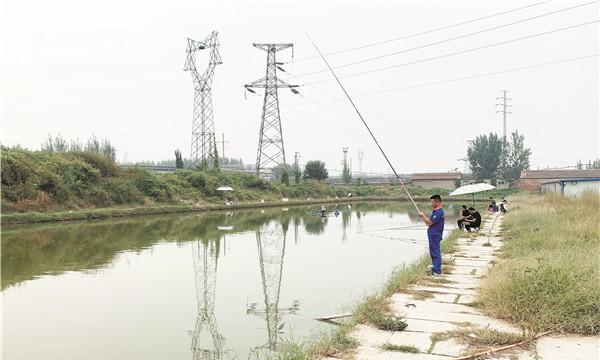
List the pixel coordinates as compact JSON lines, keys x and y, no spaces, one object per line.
{"x":52,"y":184}
{"x":106,"y":166}
{"x":198,"y":180}
{"x":152,"y":185}
{"x":79,"y":176}
{"x":99,"y":197}
{"x":122,"y":191}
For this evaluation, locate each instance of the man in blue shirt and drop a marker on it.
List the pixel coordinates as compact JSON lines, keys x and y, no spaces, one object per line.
{"x":435,"y":223}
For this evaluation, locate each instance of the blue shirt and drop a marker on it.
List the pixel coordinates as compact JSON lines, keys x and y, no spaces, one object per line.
{"x":435,"y":230}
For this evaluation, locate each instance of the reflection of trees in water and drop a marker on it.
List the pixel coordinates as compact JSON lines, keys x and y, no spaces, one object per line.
{"x":314,"y":225}
{"x":33,"y":250}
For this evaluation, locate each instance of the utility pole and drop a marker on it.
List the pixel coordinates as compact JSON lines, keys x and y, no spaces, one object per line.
{"x":296,"y":167}
{"x":203,"y":127}
{"x":346,"y":175}
{"x":361,"y":154}
{"x":504,"y":110}
{"x":271,"y":152}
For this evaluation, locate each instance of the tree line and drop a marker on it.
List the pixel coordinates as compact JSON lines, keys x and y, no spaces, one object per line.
{"x":493,"y":157}
{"x":59,"y":144}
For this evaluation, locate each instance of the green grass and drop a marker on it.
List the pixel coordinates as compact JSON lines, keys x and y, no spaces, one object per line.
{"x":547,"y":278}
{"x":400,"y":348}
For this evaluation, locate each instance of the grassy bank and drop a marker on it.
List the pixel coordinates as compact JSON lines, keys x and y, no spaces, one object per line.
{"x":41,"y":186}
{"x":548,"y":276}
{"x":372,"y":310}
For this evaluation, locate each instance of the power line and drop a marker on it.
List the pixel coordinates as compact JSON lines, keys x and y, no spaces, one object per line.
{"x":424,"y":32}
{"x":446,"y":40}
{"x":459,"y":52}
{"x":469,"y":77}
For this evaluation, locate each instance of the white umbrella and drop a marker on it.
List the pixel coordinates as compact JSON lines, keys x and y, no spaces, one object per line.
{"x":472,"y":189}
{"x":225,"y":188}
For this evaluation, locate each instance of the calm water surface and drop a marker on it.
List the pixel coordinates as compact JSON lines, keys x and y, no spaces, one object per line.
{"x":229,"y":285}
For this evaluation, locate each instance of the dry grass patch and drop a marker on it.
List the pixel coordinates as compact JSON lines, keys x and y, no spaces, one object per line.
{"x":478,"y":338}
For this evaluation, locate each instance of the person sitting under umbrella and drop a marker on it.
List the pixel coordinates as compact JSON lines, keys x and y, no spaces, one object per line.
{"x":464,"y":213}
{"x":473,"y":221}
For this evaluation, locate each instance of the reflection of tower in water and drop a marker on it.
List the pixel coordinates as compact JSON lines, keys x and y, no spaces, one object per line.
{"x":346,"y":223}
{"x":207,"y":345}
{"x":271,"y":241}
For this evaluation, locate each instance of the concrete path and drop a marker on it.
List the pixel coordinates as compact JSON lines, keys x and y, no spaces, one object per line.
{"x":437,"y":306}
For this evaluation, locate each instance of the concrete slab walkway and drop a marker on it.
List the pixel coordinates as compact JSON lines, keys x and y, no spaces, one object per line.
{"x":439,"y":305}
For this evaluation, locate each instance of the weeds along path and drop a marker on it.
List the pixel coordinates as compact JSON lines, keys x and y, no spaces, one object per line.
{"x":443,"y":321}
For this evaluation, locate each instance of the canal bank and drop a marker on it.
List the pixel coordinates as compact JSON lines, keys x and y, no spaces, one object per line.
{"x":108,"y":213}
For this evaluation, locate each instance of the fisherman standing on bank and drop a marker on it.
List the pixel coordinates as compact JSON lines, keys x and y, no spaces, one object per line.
{"x":435,"y":223}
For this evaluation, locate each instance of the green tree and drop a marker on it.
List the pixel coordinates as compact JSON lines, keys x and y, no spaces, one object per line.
{"x":56,"y":143}
{"x":278,"y":171}
{"x":108,"y":150}
{"x":216,"y":158}
{"x":515,"y":157}
{"x":178,"y":159}
{"x":316,"y":170}
{"x":93,"y":145}
{"x":297,"y":174}
{"x":285,"y":178}
{"x":485,"y":156}
{"x":346,"y":174}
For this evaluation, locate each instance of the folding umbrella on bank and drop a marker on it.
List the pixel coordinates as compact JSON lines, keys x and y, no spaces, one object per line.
{"x":224,"y":189}
{"x":472,"y":189}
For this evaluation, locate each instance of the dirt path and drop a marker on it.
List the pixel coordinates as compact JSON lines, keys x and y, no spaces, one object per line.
{"x":433,"y":308}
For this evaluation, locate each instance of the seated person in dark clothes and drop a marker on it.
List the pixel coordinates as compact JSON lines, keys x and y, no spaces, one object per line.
{"x":473,"y":221}
{"x":463,"y":215}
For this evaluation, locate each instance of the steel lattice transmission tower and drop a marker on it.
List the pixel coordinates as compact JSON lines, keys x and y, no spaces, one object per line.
{"x":203,"y":126}
{"x":271,"y":152}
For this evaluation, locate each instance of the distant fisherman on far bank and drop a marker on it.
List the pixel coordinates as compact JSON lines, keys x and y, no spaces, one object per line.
{"x":435,"y":223}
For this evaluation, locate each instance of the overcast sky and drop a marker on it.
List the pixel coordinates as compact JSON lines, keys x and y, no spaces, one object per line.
{"x":115,"y":68}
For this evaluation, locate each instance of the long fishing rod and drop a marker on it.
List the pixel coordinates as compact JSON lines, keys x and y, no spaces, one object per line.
{"x":361,"y":118}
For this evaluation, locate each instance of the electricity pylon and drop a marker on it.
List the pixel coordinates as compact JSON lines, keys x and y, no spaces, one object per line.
{"x":205,"y":256}
{"x":203,"y":126}
{"x":271,"y":152}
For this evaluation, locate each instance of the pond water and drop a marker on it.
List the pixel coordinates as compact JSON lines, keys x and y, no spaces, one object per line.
{"x":222,"y":285}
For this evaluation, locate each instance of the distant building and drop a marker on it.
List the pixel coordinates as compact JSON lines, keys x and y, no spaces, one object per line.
{"x":572,"y":187}
{"x":533,"y":179}
{"x":450,"y":180}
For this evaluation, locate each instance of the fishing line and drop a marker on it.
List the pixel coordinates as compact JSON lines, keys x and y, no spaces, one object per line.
{"x":411,"y":227}
{"x":406,"y":240}
{"x":361,"y":118}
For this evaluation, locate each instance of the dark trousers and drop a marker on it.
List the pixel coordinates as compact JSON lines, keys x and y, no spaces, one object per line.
{"x":468,"y":227}
{"x":436,"y":254}
{"x":460,"y":223}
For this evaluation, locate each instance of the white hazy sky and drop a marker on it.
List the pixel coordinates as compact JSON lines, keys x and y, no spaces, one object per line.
{"x":114,"y":68}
